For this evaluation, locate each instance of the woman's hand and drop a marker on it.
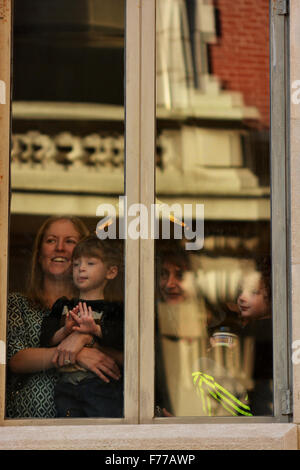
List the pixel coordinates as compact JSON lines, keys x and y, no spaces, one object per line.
{"x":99,"y":363}
{"x":68,"y":349}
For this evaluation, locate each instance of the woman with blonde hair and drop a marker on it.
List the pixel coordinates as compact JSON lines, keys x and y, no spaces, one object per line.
{"x":32,"y":369}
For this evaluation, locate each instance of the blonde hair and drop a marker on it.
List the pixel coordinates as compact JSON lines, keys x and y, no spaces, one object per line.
{"x":35,"y":287}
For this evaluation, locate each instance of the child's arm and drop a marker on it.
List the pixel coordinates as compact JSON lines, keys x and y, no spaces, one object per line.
{"x":52,"y":323}
{"x":65,"y":330}
{"x":85,"y":322}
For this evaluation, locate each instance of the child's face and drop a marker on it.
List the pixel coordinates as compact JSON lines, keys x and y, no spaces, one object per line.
{"x":253,"y":301}
{"x":90,"y":275}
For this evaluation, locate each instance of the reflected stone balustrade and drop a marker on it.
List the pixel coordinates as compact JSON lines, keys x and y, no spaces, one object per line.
{"x":198,"y":165}
{"x":67,"y":150}
{"x":198,"y":160}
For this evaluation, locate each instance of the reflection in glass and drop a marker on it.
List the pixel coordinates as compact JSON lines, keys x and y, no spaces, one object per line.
{"x":65,"y":306}
{"x":213,"y":347}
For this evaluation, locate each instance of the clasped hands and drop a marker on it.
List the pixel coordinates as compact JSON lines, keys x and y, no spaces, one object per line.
{"x":80,"y":319}
{"x":72,"y":349}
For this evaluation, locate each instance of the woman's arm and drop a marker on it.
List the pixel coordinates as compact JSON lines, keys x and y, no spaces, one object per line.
{"x":66,"y":352}
{"x":117,"y":355}
{"x":24,"y":354}
{"x":32,"y":360}
{"x":99,"y":363}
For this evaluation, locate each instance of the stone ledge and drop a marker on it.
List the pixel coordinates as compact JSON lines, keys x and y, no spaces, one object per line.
{"x":146,"y":437}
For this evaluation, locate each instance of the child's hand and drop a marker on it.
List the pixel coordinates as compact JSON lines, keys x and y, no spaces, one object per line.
{"x":70,"y":321}
{"x":85,"y":322}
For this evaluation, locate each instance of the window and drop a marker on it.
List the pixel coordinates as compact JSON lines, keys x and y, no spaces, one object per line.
{"x":67,"y":165}
{"x":214,"y":298}
{"x":190,"y":139}
{"x":191,"y":123}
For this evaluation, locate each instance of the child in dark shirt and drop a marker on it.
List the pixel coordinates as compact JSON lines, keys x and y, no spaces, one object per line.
{"x":79,"y":392}
{"x":255,"y":307}
{"x":254,"y":298}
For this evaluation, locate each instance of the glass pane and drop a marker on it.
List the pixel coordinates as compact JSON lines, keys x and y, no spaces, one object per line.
{"x":67,"y":172}
{"x":213,"y":347}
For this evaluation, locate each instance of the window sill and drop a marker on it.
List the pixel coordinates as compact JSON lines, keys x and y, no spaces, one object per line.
{"x":142,"y":437}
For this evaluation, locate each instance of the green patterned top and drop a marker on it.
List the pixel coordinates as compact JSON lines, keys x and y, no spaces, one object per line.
{"x":27,"y":395}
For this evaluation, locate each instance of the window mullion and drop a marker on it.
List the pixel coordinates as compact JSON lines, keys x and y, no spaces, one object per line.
{"x":147,"y":195}
{"x":279,"y":215}
{"x":132,"y":191}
